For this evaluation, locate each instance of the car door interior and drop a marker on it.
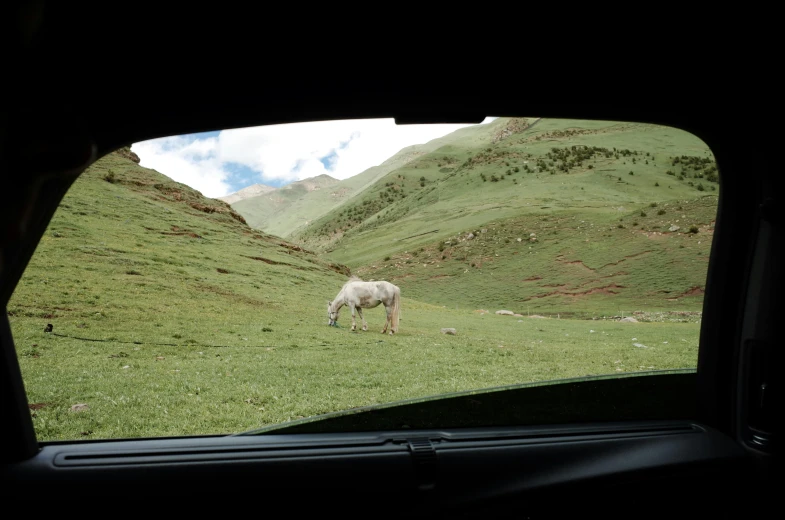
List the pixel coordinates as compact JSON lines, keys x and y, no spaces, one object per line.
{"x":722,"y":459}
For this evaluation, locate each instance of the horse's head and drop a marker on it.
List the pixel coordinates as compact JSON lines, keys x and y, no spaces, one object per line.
{"x":332,"y":315}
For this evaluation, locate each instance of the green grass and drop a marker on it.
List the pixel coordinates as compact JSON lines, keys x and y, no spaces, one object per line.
{"x":592,"y":238}
{"x":304,"y":368}
{"x":173,"y":317}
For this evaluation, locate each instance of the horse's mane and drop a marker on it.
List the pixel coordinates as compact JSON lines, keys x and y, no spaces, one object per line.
{"x":352,"y":278}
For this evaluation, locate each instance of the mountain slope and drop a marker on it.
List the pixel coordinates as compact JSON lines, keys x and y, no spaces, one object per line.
{"x":172,"y":317}
{"x":595,"y":194}
{"x":262,"y":211}
{"x":246,"y":193}
{"x":128,"y":244}
{"x":285,"y":214}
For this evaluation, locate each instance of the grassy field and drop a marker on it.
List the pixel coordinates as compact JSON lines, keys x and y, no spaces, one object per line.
{"x":216,"y":380}
{"x":171,"y":316}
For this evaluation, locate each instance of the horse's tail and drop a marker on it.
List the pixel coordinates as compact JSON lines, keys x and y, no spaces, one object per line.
{"x":396,"y":309}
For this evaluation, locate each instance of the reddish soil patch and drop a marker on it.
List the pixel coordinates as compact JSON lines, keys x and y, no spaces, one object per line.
{"x":626,"y":258}
{"x":293,"y":247}
{"x":340,"y":269}
{"x":693,"y":291}
{"x":600,"y":290}
{"x":267,"y":260}
{"x":532,"y":278}
{"x":608,"y":289}
{"x":222,"y":271}
{"x":581,"y":265}
{"x":177,"y":231}
{"x":37,"y":406}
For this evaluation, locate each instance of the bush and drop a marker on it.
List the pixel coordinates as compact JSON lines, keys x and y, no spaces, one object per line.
{"x":700,"y":187}
{"x":693,"y":229}
{"x":653,"y":205}
{"x":631,"y":173}
{"x":110,"y":177}
{"x":643,"y":213}
{"x":386,"y":258}
{"x":620,"y":226}
{"x":661,"y":212}
{"x":656,"y":183}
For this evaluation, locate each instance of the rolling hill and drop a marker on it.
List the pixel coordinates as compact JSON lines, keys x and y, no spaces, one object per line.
{"x":253,"y":190}
{"x":128,"y":245}
{"x":263,"y":211}
{"x":551,"y":215}
{"x":285,"y":213}
{"x":171,"y":316}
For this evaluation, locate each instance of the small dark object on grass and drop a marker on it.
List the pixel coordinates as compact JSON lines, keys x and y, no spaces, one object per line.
{"x":48,"y":328}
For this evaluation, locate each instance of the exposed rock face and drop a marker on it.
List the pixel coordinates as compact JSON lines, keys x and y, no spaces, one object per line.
{"x":126,"y":152}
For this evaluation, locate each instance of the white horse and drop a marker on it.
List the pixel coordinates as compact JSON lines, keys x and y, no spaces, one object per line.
{"x":359,"y":295}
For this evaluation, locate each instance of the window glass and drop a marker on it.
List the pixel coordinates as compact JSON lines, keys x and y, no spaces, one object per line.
{"x":203,"y":284}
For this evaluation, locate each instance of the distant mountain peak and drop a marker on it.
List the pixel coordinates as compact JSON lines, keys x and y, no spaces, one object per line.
{"x":246,"y":193}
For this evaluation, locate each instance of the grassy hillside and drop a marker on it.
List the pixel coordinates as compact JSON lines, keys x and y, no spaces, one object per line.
{"x":128,"y":245}
{"x":284,"y":214}
{"x":173,"y":317}
{"x":599,"y":198}
{"x":263,"y":212}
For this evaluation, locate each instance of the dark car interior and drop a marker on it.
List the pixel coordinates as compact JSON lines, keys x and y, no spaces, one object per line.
{"x":716,"y":453}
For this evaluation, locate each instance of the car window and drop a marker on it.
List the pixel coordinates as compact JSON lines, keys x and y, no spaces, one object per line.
{"x":204,"y":283}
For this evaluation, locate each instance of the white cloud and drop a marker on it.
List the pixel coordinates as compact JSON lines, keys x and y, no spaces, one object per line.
{"x":283,"y":153}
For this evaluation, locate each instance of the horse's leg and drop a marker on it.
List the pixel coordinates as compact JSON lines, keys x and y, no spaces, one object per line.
{"x":360,"y":312}
{"x":387,"y":322}
{"x":354,"y":323}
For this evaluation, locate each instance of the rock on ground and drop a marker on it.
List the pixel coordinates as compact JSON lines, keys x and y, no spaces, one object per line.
{"x":449,"y":331}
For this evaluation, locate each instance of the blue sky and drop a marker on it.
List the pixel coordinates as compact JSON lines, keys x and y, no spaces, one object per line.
{"x":222,"y":162}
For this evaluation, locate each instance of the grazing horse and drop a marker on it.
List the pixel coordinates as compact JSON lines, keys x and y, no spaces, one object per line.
{"x":359,"y":295}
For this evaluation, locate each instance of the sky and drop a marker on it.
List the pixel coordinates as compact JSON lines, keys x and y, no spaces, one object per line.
{"x":223,"y":162}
